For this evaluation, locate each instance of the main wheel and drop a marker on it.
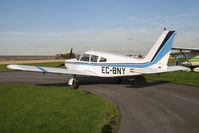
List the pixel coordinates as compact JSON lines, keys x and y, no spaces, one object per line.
{"x":119,"y":80}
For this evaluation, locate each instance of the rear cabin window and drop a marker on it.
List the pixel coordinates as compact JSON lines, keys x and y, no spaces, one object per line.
{"x":102,"y":59}
{"x":85,"y":57}
{"x":94,"y":58}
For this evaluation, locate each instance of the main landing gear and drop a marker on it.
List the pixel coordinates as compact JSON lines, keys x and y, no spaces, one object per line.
{"x":118,"y":80}
{"x":73,"y":83}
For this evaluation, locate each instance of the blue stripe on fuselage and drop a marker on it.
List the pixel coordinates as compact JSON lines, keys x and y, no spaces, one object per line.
{"x":159,"y":56}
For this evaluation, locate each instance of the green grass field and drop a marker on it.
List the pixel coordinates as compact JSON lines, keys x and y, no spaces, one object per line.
{"x":187,"y":78}
{"x":52,"y":109}
{"x":3,"y":68}
{"x":172,"y":61}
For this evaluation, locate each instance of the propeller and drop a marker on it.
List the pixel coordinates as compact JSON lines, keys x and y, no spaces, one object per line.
{"x":71,"y":53}
{"x":70,"y":56}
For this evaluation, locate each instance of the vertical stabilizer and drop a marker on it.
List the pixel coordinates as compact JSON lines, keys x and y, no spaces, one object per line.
{"x":159,"y":53}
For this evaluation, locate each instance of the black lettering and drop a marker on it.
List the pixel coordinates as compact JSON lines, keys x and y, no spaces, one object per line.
{"x":123,"y":69}
{"x":114,"y":70}
{"x":118,"y":70}
{"x":103,"y":69}
{"x":107,"y":70}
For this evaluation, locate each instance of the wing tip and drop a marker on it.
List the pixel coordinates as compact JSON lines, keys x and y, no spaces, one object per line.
{"x":12,"y":66}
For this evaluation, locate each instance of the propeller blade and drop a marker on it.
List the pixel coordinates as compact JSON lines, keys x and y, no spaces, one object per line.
{"x":70,"y":56}
{"x":71,"y":53}
{"x":61,"y":65}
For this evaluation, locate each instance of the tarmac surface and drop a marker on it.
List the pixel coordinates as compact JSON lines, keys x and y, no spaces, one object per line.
{"x":145,"y":106}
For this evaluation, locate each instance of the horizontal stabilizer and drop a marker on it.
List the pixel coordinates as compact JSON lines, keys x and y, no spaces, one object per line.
{"x":51,"y":70}
{"x":176,"y":68}
{"x":159,"y":70}
{"x":192,"y":49}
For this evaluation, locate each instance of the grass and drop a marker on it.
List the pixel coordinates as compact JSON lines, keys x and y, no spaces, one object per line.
{"x":52,"y":109}
{"x":3,"y":67}
{"x":187,"y":78}
{"x":172,"y":61}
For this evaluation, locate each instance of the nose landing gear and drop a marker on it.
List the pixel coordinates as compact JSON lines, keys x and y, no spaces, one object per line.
{"x":73,"y":83}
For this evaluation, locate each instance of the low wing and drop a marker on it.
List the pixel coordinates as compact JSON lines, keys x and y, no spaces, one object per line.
{"x":178,"y":48}
{"x":51,"y":70}
{"x":159,"y":70}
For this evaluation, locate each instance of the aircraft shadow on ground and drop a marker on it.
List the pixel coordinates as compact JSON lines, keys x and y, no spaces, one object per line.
{"x":141,"y":82}
{"x":129,"y":82}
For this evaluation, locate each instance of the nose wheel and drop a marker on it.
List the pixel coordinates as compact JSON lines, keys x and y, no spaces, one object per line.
{"x":73,"y":83}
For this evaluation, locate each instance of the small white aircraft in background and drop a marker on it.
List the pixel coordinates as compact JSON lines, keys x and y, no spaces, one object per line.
{"x":104,"y":64}
{"x":189,"y":57}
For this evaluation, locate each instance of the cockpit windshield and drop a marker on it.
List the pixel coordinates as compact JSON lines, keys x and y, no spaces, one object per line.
{"x":89,"y":58}
{"x":85,"y":57}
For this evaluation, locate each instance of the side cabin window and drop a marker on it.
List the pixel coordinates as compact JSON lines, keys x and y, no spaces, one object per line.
{"x":85,"y":57}
{"x":102,"y":59}
{"x":94,"y":58}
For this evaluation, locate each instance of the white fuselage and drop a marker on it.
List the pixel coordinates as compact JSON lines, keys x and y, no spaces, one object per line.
{"x":113,"y":66}
{"x":103,"y":71}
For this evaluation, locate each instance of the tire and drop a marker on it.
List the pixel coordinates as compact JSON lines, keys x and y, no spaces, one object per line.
{"x":118,"y":80}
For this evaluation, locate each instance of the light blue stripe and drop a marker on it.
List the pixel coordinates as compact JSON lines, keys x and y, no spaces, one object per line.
{"x":42,"y":69}
{"x":159,"y":56}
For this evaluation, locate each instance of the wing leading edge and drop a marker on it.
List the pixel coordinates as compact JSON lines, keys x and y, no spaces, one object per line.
{"x":51,"y":70}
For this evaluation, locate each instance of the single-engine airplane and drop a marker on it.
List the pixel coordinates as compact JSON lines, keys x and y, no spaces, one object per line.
{"x":189,"y":57}
{"x":105,"y":64}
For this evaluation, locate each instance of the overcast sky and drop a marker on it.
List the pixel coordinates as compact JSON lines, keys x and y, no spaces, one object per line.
{"x":48,"y":27}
